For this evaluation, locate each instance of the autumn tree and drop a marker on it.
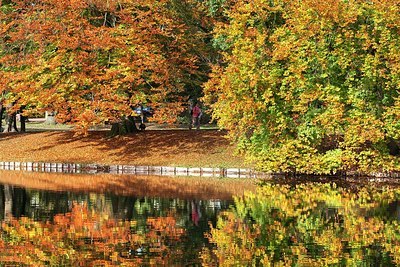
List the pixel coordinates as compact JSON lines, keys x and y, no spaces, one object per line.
{"x":2,"y":109}
{"x":93,"y":61}
{"x":310,"y":86}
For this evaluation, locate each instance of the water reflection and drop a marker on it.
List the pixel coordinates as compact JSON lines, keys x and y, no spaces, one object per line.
{"x":309,"y":225}
{"x":108,"y":220}
{"x":82,"y":229}
{"x":111,"y":220}
{"x":133,"y":185}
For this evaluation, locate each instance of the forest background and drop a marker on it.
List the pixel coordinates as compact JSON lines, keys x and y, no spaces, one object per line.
{"x":301,"y":86}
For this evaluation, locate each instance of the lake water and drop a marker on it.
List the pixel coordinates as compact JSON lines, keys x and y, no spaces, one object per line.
{"x":122,"y":220}
{"x":109,"y":220}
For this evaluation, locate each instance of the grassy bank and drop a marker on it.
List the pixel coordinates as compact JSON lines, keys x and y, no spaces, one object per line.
{"x":205,"y":148}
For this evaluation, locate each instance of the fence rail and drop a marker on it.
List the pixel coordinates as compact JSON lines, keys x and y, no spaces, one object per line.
{"x":128,"y":169}
{"x":179,"y":171}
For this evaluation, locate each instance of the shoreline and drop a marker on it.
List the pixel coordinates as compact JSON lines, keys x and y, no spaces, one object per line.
{"x":161,"y":152}
{"x":192,"y":172}
{"x":54,"y":167}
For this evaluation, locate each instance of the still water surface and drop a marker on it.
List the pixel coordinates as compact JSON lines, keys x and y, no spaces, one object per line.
{"x":108,"y":220}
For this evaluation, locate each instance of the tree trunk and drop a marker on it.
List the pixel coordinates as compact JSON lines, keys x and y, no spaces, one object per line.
{"x":130,"y":125}
{"x":126,"y":126}
{"x":22,"y":119}
{"x":14,"y":124}
{"x":393,"y":146}
{"x":23,"y":124}
{"x":1,"y":117}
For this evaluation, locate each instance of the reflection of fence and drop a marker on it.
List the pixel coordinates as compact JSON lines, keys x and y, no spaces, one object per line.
{"x":128,"y":169}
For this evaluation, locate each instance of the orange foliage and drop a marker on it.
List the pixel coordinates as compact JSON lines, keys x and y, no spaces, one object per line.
{"x":73,"y":57}
{"x":83,"y":237}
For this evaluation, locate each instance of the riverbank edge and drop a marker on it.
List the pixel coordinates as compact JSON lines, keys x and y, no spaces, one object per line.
{"x":92,"y":168}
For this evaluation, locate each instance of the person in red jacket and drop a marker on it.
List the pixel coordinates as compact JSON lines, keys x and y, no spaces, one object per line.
{"x":196,"y":115}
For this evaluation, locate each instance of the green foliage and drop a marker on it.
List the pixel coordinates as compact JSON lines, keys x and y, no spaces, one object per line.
{"x":309,"y":86}
{"x":308,"y":225}
{"x":215,"y":7}
{"x":5,"y":2}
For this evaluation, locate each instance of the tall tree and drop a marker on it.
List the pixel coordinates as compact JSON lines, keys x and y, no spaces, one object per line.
{"x":93,"y":61}
{"x":311,"y":86}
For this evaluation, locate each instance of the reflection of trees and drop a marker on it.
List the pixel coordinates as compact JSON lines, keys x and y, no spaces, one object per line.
{"x":309,"y":225}
{"x":132,"y":185}
{"x":12,"y":201}
{"x":44,"y":205}
{"x":62,"y":228}
{"x":83,"y":237}
{"x":7,"y":202}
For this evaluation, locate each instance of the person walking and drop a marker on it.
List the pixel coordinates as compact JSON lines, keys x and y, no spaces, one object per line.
{"x":196,"y":116}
